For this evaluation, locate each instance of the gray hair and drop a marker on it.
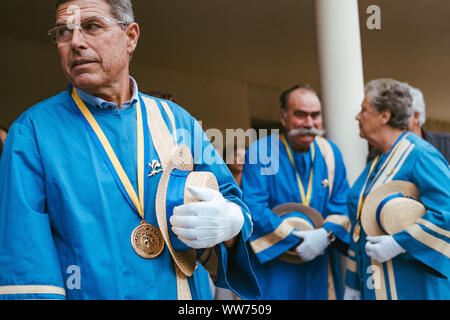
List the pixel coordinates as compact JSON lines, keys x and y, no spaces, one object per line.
{"x":122,"y":10}
{"x":389,"y":94}
{"x":418,"y":104}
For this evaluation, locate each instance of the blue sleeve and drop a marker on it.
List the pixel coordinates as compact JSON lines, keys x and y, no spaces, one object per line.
{"x":271,"y":237}
{"x":29,"y":265}
{"x":336,"y":212}
{"x":428,"y":240}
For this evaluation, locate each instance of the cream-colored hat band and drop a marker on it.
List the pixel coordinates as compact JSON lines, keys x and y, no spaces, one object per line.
{"x":390,"y":208}
{"x":172,"y":191}
{"x":299,"y":217}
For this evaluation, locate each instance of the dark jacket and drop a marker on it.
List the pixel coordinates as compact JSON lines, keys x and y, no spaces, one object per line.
{"x":440,"y":141}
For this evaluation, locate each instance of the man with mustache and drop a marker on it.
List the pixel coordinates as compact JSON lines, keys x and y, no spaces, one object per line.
{"x":311,"y":172}
{"x":81,"y":176}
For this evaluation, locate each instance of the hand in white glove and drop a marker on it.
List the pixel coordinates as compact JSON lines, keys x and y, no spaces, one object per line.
{"x":208,"y":222}
{"x":351,"y":294}
{"x":314,"y":243}
{"x":383,"y":248}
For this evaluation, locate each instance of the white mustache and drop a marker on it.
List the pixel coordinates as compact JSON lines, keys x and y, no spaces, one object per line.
{"x":302,"y":131}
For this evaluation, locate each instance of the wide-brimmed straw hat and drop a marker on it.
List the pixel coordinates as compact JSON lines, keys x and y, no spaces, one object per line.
{"x":390,"y":208}
{"x":172,"y":191}
{"x":301,"y":218}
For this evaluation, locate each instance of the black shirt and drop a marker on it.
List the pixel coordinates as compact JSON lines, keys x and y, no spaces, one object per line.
{"x":440,"y":141}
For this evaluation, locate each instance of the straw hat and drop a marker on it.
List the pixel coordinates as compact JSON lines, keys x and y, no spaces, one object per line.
{"x":172,"y":191}
{"x":390,"y":208}
{"x":301,"y":218}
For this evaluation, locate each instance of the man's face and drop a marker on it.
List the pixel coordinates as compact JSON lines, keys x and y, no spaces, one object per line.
{"x":303,"y":110}
{"x":93,"y":63}
{"x":414,"y":123}
{"x":239,"y":159}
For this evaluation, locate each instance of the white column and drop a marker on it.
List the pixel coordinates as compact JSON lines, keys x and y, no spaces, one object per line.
{"x":341,"y":75}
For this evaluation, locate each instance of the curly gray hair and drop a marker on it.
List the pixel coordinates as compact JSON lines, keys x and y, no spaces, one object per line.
{"x":392,"y":95}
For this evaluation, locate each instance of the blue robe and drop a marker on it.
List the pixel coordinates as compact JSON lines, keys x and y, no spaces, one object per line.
{"x":419,"y":273}
{"x":269,"y":180}
{"x":65,"y":226}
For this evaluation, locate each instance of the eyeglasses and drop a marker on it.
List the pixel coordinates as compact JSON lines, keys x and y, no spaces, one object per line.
{"x":90,"y":28}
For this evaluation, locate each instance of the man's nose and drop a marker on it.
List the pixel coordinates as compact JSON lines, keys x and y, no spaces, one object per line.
{"x":78,"y":40}
{"x":309,"y":121}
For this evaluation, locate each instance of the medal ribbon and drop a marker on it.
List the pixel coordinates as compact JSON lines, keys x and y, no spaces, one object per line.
{"x":306,"y":199}
{"x":136,"y":200}
{"x":366,"y":188}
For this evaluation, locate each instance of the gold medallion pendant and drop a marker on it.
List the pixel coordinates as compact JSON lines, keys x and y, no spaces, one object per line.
{"x":147,"y":241}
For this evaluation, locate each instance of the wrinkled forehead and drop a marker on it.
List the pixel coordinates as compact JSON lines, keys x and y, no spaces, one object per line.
{"x":77,"y":10}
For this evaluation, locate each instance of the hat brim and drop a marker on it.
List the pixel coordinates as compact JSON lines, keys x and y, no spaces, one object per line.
{"x":182,"y":159}
{"x":312,"y":220}
{"x":410,"y":206}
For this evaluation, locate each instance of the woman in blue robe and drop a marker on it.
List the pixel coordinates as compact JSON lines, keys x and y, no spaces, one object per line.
{"x":414,"y":263}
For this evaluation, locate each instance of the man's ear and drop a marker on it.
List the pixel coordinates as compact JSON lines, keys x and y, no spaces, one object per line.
{"x":416,"y":118}
{"x":133,"y":33}
{"x":282,"y":117}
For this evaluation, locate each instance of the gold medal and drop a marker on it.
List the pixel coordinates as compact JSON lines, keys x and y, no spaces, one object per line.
{"x":147,"y":240}
{"x":357,"y":232}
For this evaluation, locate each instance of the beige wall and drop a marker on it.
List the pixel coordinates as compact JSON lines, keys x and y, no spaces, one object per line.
{"x":31,"y":72}
{"x":228,"y":63}
{"x":218,"y":103}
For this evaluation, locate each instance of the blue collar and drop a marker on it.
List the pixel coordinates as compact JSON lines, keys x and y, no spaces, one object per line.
{"x":102,"y":104}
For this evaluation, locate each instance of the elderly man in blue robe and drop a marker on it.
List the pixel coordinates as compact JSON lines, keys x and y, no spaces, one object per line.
{"x":298,"y":167}
{"x":95,"y":182}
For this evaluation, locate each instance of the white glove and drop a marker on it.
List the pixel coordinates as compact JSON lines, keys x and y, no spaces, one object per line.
{"x":314,"y":243}
{"x":208,"y":222}
{"x":383,"y":248}
{"x":351,"y":294}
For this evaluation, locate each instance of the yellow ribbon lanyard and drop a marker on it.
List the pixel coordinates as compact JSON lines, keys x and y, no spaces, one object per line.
{"x":306,"y":199}
{"x":138,"y":201}
{"x":372,"y":167}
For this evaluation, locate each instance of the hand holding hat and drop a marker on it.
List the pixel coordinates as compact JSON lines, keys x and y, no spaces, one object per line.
{"x":300,"y":218}
{"x":383,"y":248}
{"x":206,"y":223}
{"x":314,"y":243}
